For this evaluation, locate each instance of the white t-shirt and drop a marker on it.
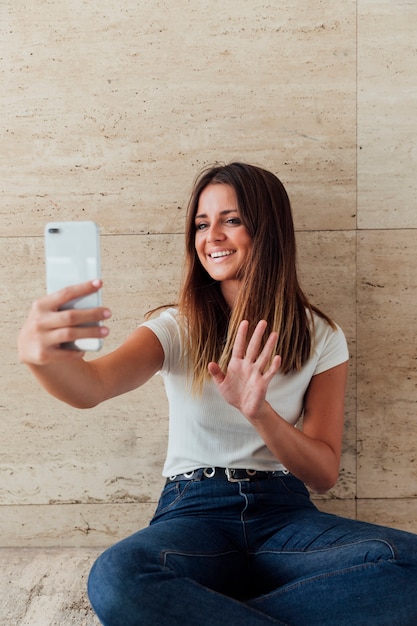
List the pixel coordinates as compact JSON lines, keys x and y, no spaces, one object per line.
{"x":205,"y":431}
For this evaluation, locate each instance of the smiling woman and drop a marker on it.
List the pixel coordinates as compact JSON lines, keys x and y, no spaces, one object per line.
{"x":235,"y":537}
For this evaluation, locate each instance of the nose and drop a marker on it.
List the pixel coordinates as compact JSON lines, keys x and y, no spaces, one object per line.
{"x":215,"y":233}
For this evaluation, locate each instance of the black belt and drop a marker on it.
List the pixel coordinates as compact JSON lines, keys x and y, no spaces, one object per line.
{"x":232,"y":475}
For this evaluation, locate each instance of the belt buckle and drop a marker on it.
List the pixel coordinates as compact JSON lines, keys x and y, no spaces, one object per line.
{"x":232,"y":479}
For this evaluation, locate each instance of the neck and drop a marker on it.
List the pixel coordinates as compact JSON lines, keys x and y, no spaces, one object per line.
{"x":229,"y":289}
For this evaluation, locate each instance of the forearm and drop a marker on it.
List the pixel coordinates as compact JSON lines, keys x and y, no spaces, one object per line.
{"x":84,"y":384}
{"x":313,"y":461}
{"x":73,"y":382}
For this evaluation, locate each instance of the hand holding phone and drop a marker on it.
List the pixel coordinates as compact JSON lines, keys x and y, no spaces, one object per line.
{"x":72,"y":255}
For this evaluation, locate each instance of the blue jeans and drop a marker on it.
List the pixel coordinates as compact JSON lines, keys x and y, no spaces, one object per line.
{"x":255,"y":553}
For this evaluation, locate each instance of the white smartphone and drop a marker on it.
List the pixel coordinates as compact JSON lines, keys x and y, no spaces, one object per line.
{"x":72,"y":256}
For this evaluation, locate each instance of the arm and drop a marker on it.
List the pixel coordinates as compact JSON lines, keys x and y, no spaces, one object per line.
{"x":313,"y":454}
{"x":64,"y":373}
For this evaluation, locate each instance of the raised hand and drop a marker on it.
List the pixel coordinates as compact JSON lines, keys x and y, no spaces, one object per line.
{"x":250,"y":370}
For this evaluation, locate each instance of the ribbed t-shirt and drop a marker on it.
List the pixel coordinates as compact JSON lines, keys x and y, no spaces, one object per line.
{"x":204,"y":430}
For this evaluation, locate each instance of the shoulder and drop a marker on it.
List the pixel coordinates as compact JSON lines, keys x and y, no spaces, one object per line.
{"x":166,"y":326}
{"x":329,"y":344}
{"x":162,"y":317}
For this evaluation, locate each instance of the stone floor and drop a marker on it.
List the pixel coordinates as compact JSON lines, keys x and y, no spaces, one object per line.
{"x":45,"y":587}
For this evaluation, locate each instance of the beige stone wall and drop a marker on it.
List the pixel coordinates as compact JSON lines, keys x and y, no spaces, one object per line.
{"x":107,"y":113}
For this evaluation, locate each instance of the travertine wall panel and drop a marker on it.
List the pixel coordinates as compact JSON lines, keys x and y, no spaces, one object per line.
{"x":399,"y":513}
{"x":108,"y":112}
{"x":387,"y":375}
{"x":72,"y":525}
{"x":327,"y":263}
{"x":387,"y":121}
{"x":111,"y":110}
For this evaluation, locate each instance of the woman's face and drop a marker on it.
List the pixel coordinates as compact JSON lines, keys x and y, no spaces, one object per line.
{"x":222,"y":242}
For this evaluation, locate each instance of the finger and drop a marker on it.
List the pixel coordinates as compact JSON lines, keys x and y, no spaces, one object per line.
{"x":70,"y":334}
{"x":239,"y":346}
{"x":273,"y":369}
{"x":59,"y":298}
{"x":254,"y":345}
{"x":267,"y":352}
{"x":64,"y":326}
{"x":216,"y":373}
{"x":78,"y":317}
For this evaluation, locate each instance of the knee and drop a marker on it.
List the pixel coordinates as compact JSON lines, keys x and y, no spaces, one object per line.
{"x":108,"y":586}
{"x":101,"y":586}
{"x":118,"y":584}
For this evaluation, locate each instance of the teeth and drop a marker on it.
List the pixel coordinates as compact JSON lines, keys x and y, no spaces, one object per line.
{"x":216,"y":255}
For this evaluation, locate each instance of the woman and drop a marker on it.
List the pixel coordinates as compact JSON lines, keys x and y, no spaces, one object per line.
{"x":235,"y":537}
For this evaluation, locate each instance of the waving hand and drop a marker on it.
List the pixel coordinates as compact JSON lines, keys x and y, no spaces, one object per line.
{"x":250,"y":370}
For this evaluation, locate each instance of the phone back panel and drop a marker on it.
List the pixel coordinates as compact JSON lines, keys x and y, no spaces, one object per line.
{"x":72,"y":252}
{"x":72,"y":256}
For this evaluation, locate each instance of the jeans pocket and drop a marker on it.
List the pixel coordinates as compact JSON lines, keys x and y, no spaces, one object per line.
{"x":170,"y":496}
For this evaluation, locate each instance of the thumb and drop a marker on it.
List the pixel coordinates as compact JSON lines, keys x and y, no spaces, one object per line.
{"x":216,"y":373}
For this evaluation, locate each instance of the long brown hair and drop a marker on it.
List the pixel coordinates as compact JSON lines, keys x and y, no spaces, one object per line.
{"x":269,"y":284}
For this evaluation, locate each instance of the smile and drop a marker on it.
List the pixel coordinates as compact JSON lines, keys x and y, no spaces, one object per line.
{"x":217,"y":255}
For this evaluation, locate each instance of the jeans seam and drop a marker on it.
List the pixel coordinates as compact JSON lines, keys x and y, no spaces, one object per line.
{"x":289,"y":587}
{"x":166,"y":553}
{"x":329,"y":548}
{"x":172,"y":504}
{"x":244,"y":496}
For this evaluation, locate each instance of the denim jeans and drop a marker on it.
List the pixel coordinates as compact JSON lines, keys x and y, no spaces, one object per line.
{"x":255,"y":553}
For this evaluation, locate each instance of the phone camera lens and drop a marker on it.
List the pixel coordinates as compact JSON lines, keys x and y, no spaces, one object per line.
{"x":53,"y":231}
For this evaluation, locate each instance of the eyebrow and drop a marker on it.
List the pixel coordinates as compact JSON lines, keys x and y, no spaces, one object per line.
{"x":225,"y":212}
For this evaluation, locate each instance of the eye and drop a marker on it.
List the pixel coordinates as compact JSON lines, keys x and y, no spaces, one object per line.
{"x":201,"y":226}
{"x":235,"y":221}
